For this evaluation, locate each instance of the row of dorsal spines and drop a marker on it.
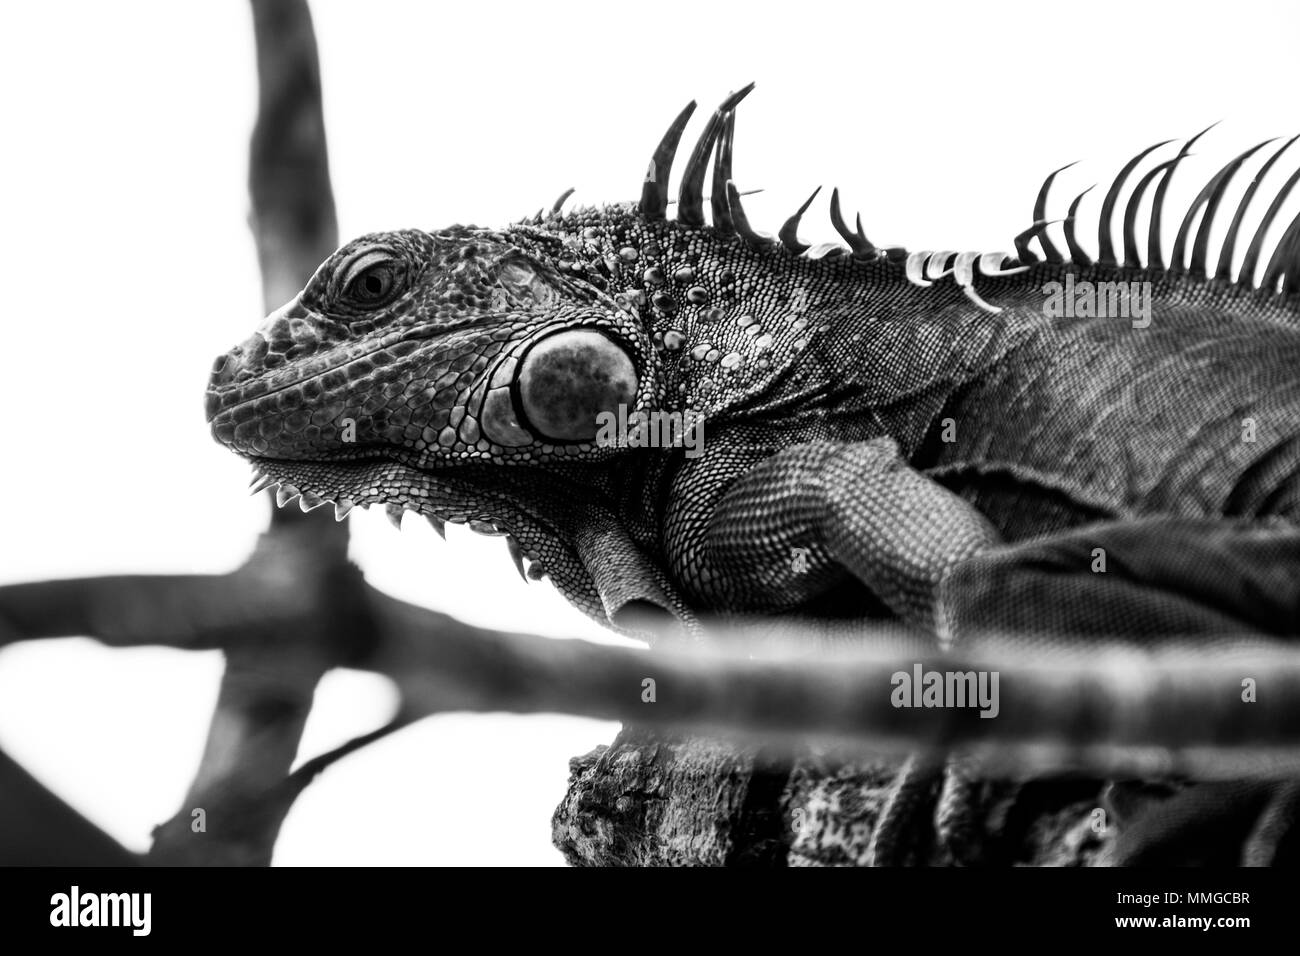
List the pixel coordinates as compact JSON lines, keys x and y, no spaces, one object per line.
{"x":729,"y":218}
{"x":728,"y":212}
{"x":1280,"y":276}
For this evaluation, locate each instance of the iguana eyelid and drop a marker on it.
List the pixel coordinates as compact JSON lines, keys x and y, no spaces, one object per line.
{"x":351,"y":269}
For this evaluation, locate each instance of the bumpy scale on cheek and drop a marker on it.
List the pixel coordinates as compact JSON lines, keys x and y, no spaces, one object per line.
{"x":431,"y":414}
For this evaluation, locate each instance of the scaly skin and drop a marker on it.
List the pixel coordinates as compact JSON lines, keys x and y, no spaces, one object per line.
{"x":1058,"y":421}
{"x":893,"y":425}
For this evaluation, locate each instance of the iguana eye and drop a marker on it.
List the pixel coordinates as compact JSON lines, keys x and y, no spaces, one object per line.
{"x":372,"y":280}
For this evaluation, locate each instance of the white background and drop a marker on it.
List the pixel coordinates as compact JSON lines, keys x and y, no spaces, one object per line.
{"x":127,"y":267}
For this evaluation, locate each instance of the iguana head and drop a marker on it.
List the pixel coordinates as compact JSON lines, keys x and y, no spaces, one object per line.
{"x":467,"y":373}
{"x":435,"y":349}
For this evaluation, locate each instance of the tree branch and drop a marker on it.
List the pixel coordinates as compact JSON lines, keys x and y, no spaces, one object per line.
{"x":267,"y":688}
{"x":39,"y":829}
{"x":1115,"y":712}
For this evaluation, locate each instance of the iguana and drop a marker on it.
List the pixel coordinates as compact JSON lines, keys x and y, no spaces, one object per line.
{"x":884,"y":416}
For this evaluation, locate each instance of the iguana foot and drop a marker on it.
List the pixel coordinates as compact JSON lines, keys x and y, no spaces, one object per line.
{"x":1238,"y":823}
{"x":906,"y":811}
{"x":929,"y":794}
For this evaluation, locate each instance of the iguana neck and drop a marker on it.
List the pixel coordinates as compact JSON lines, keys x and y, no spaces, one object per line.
{"x":764,"y":335}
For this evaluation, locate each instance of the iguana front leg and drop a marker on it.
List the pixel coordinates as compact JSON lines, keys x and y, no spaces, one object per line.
{"x":860,"y":506}
{"x":856,"y":505}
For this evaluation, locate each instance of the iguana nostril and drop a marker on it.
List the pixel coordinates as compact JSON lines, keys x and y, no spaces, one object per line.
{"x":223,"y":371}
{"x":566,"y":380}
{"x":255,"y":350}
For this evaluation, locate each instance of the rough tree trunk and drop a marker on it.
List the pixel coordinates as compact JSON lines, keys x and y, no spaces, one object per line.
{"x":660,"y":800}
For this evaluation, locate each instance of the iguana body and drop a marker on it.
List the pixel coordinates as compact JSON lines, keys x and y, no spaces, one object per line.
{"x":891,"y":415}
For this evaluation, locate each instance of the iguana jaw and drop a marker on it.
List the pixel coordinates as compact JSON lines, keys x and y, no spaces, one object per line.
{"x":560,"y":524}
{"x":464,"y":496}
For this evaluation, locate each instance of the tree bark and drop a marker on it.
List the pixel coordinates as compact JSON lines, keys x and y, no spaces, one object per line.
{"x":659,"y":799}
